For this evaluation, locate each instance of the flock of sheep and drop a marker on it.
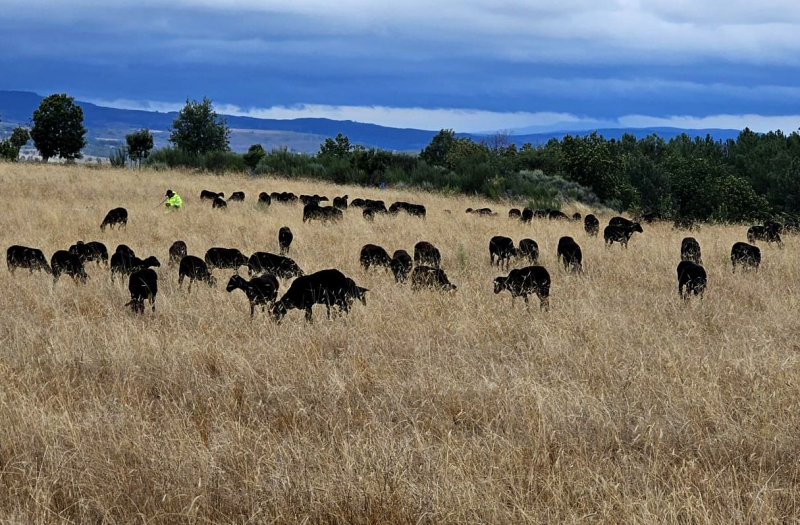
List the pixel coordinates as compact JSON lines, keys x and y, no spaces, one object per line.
{"x":331,"y":287}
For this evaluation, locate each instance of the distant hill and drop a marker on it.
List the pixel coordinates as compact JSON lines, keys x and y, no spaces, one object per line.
{"x":108,"y":127}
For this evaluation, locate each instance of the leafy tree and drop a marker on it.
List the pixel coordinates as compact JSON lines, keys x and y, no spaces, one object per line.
{"x":9,"y":148}
{"x":198,"y":129}
{"x":139,"y":144}
{"x":338,"y":147}
{"x":58,"y":128}
{"x":254,"y":156}
{"x":435,"y":153}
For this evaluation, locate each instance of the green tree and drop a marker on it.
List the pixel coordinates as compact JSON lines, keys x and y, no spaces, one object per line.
{"x":338,"y":147}
{"x":254,"y":156}
{"x":139,"y":145}
{"x":435,"y":153}
{"x":58,"y":128}
{"x":198,"y":129}
{"x":9,"y":148}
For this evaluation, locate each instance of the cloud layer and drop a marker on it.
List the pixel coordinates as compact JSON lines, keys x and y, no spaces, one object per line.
{"x":528,"y":63}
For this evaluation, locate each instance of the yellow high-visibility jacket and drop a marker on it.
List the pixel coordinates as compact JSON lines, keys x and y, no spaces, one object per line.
{"x":175,"y":202}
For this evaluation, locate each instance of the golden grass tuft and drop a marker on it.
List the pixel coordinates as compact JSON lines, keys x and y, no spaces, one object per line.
{"x":620,"y":405}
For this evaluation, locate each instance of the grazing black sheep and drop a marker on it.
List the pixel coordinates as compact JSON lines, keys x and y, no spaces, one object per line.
{"x":236,"y":196}
{"x":63,"y":262}
{"x":25,"y":257}
{"x":515,"y":213}
{"x":261,"y":291}
{"x":368,"y":214}
{"x":525,"y":281}
{"x":401,"y":265}
{"x":416,"y":210}
{"x":177,"y":251}
{"x":125,"y":249}
{"x":576,"y":216}
{"x":690,"y":250}
{"x":313,"y":211}
{"x":620,"y":221}
{"x":340,"y":202}
{"x":375,"y":206}
{"x":328,"y":287}
{"x":570,"y":254}
{"x":768,"y":233}
{"x":502,"y":248}
{"x":230,"y":258}
{"x":264,"y":199}
{"x":527,"y":215}
{"x":555,"y":215}
{"x":211,"y":195}
{"x":745,"y":255}
{"x":219,"y":204}
{"x":591,"y":225}
{"x":285,"y":238}
{"x":481,"y":212}
{"x":427,"y":277}
{"x":196,"y":270}
{"x":313,"y":199}
{"x":124,"y":264}
{"x":143,"y":284}
{"x":358,"y":203}
{"x":284,"y":197}
{"x":278,"y":265}
{"x":620,"y":234}
{"x":691,"y":279}
{"x":373,"y":255}
{"x":90,"y":251}
{"x":115,"y":217}
{"x":426,"y":253}
{"x":528,"y":248}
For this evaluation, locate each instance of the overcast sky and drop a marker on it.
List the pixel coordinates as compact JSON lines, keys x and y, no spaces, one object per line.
{"x":474,"y":65}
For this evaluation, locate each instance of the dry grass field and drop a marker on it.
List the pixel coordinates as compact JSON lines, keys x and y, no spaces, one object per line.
{"x":619,"y":405}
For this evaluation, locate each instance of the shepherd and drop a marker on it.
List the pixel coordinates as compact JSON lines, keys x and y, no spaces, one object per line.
{"x":174,"y":201}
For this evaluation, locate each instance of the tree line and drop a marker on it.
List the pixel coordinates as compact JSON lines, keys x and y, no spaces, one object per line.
{"x":752,"y":177}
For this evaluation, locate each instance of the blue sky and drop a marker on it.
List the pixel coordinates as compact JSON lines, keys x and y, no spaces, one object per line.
{"x":474,"y":65}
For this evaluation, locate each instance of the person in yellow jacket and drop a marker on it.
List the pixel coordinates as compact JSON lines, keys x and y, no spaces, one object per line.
{"x":174,"y":201}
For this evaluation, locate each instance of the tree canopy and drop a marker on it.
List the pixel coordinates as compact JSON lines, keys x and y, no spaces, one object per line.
{"x":198,"y":129}
{"x":139,"y":144}
{"x":58,"y":128}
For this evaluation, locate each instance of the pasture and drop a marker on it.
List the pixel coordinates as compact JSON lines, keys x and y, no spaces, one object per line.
{"x":621,"y":404}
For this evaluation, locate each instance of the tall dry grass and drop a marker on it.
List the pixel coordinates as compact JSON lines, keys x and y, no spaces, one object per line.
{"x":620,"y":405}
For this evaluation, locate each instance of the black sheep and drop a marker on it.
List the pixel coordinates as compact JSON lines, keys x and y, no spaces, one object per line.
{"x":570,"y":254}
{"x":261,"y":291}
{"x":416,"y":210}
{"x":401,"y":265}
{"x":285,"y":238}
{"x":528,"y":248}
{"x":313,"y":211}
{"x":690,"y":250}
{"x":373,"y":255}
{"x":219,"y":204}
{"x":768,"y":233}
{"x":527,"y":215}
{"x":427,"y":277}
{"x":340,"y":202}
{"x":25,"y":257}
{"x":328,"y":287}
{"x":196,"y":270}
{"x":576,"y":216}
{"x":502,"y":248}
{"x":125,"y":249}
{"x":368,"y":214}
{"x":591,"y":225}
{"x":620,"y":234}
{"x":525,"y":281}
{"x":115,"y":217}
{"x":236,"y":196}
{"x":143,"y":284}
{"x":745,"y":255}
{"x":211,"y":195}
{"x":63,"y":262}
{"x":177,"y":251}
{"x":555,"y":215}
{"x":230,"y":258}
{"x":264,"y":199}
{"x":90,"y":251}
{"x":691,"y":279}
{"x":264,"y":262}
{"x":515,"y":214}
{"x":426,"y":253}
{"x":124,"y":264}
